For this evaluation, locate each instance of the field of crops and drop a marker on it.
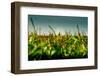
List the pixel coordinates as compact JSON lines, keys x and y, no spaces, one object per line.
{"x":48,"y":47}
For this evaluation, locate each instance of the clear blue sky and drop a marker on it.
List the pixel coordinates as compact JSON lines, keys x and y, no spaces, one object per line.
{"x":60,"y":24}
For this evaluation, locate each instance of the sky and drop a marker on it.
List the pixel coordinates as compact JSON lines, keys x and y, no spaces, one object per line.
{"x":60,"y":24}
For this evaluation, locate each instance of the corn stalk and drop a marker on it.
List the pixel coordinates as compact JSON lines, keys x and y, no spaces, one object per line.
{"x":52,"y":30}
{"x":33,"y":25}
{"x":78,"y":29}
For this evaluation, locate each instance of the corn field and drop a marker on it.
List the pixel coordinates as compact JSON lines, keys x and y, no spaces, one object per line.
{"x":56,"y":46}
{"x":49,"y":47}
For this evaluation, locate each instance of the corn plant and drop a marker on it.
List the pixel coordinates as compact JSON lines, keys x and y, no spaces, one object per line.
{"x":66,"y":46}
